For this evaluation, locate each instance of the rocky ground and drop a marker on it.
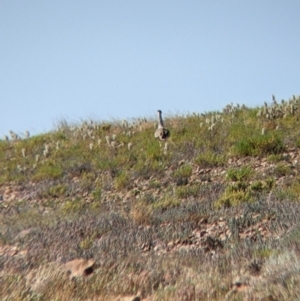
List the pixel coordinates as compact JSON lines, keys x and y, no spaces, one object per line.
{"x":41,"y":244}
{"x":103,"y":211}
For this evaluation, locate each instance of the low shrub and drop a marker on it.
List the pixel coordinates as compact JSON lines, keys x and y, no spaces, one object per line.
{"x":239,"y":174}
{"x":259,"y":145}
{"x":187,"y":191}
{"x":168,"y":201}
{"x":73,"y":206}
{"x":182,"y":174}
{"x":48,"y":170}
{"x":208,"y":159}
{"x":274,"y":158}
{"x":121,"y":181}
{"x":282,"y":169}
{"x":55,"y":191}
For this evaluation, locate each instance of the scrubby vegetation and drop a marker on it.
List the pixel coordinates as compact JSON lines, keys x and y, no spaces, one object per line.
{"x":212,"y":214}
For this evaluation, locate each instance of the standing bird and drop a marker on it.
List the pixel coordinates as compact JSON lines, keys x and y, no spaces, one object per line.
{"x":161,"y":133}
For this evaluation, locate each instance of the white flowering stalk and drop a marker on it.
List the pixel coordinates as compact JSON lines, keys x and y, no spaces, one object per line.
{"x":90,"y":134}
{"x":27,"y":134}
{"x":212,"y":127}
{"x":46,"y":151}
{"x":75,"y":134}
{"x":125,"y":124}
{"x":13,"y":135}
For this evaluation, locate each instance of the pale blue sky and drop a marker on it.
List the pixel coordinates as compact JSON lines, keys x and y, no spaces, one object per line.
{"x":117,"y":59}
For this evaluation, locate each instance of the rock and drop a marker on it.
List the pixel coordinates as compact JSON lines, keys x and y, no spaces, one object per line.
{"x":23,"y":233}
{"x":80,"y":267}
{"x":8,"y":250}
{"x":129,"y":298}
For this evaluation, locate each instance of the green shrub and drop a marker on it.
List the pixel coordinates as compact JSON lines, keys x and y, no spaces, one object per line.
{"x":121,"y":181}
{"x":260,"y":186}
{"x":233,"y":197}
{"x":242,"y":191}
{"x":274,"y":158}
{"x":259,"y":145}
{"x":168,"y":201}
{"x":182,"y":174}
{"x":292,"y":192}
{"x":154,"y":184}
{"x":73,"y":206}
{"x":87,"y":180}
{"x":187,"y":191}
{"x":86,"y":243}
{"x":55,"y":191}
{"x":282,"y":169}
{"x":209,"y":159}
{"x":97,"y":193}
{"x":49,"y":170}
{"x":239,"y":174}
{"x":263,"y":252}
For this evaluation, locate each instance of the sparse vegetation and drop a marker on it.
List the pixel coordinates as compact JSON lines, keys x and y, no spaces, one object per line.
{"x":209,"y":159}
{"x":259,"y":145}
{"x":182,"y":174}
{"x":212,"y":216}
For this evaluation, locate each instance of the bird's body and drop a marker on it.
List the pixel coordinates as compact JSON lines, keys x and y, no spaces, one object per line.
{"x":161,"y":133}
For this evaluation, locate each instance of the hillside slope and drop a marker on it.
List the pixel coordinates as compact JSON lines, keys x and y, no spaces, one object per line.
{"x":103,"y":211}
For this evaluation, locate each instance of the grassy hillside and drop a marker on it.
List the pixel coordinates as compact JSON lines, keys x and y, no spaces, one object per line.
{"x":213,"y":214}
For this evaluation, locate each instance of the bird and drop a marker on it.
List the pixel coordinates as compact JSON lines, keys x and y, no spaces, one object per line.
{"x":161,"y":133}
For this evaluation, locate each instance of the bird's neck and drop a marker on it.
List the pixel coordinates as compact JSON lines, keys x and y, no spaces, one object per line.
{"x":160,"y":121}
